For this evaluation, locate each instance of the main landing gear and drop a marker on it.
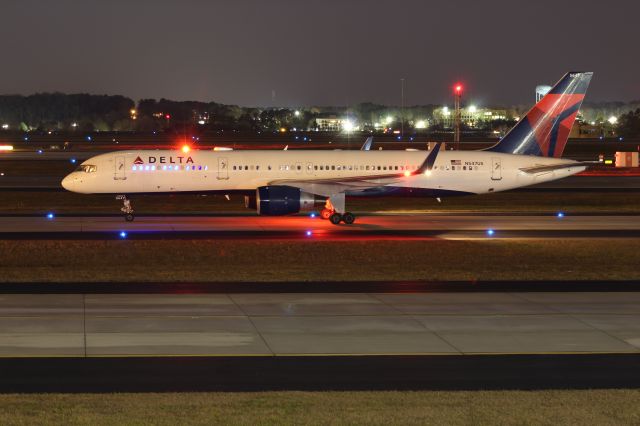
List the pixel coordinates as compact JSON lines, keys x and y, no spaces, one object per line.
{"x":127,"y":209}
{"x":348,"y":218}
{"x":330,"y":213}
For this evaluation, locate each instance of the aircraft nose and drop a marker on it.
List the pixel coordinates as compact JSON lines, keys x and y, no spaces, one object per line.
{"x":67,"y":183}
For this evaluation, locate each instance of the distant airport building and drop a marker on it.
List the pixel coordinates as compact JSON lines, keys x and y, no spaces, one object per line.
{"x":470,"y":116}
{"x":541,"y":91}
{"x":329,"y":123}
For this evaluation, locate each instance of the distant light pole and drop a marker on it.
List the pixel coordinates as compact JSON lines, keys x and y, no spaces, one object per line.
{"x":457,"y":96}
{"x":402,"y":108}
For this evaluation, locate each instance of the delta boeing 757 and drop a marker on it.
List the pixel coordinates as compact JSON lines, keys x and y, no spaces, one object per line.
{"x":288,"y":182}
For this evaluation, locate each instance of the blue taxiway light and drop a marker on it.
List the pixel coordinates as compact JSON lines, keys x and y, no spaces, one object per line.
{"x":312,"y":215}
{"x":39,"y":151}
{"x":490,"y":232}
{"x":73,"y":161}
{"x":50,"y":216}
{"x":123,"y":234}
{"x":560,"y":214}
{"x":309,"y":233}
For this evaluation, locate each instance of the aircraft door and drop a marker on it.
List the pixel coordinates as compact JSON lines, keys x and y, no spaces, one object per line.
{"x":298,"y":168}
{"x":223,"y":168}
{"x":496,"y":168}
{"x":119,"y":168}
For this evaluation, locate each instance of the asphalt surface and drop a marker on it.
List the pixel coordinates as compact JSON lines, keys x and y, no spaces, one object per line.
{"x":313,"y":373}
{"x":402,"y":226}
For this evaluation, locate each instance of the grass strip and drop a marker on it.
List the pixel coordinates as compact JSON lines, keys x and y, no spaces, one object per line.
{"x":601,"y":407}
{"x":316,"y":260}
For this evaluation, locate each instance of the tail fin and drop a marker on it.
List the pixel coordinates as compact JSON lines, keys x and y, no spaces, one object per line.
{"x":545,"y":129}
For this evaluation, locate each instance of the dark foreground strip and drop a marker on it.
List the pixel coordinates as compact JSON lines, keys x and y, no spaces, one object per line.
{"x":341,"y":233}
{"x":458,"y":372}
{"x":318,"y":287}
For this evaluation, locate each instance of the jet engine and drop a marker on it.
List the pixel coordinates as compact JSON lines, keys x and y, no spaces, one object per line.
{"x":281,"y":200}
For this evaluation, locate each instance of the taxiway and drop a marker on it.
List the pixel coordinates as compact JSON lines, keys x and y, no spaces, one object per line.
{"x":381,"y":225}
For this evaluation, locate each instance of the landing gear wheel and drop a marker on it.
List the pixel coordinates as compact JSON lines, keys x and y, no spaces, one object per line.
{"x":348,"y":218}
{"x":326,"y":213}
{"x":335,"y":218}
{"x":127,"y":208}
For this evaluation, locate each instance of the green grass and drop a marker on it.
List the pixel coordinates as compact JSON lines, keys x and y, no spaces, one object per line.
{"x":515,"y":201}
{"x":592,"y":407}
{"x":316,"y":260}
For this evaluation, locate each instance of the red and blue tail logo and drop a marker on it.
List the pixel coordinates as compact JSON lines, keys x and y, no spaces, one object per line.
{"x":545,"y":129}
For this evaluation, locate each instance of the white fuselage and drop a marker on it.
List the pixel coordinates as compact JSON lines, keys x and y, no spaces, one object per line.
{"x":147,"y":171}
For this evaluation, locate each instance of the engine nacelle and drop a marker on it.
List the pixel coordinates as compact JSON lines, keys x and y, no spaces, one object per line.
{"x":282,"y":200}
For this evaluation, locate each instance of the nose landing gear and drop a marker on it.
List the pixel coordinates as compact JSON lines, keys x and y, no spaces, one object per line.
{"x":127,"y":209}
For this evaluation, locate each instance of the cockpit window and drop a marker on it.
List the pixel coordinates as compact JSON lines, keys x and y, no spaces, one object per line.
{"x":87,"y":168}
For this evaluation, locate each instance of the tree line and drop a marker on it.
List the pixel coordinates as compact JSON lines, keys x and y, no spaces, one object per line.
{"x":85,"y":112}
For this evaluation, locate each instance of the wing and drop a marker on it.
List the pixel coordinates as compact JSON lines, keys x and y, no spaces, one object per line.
{"x":367,"y":144}
{"x":333,"y":186}
{"x":549,"y":168}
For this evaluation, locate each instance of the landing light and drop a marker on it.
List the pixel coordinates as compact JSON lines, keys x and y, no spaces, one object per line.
{"x":185,"y":148}
{"x":427,"y":173}
{"x":6,"y":147}
{"x":407,"y":173}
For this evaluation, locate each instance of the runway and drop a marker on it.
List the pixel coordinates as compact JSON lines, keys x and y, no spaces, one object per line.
{"x":460,"y":324}
{"x":240,"y":342}
{"x":455,"y":226}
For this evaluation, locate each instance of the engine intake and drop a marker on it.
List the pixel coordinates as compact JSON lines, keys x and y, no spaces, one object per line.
{"x":282,"y":200}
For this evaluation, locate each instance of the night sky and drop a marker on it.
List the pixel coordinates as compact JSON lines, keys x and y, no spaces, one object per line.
{"x":325,"y":52}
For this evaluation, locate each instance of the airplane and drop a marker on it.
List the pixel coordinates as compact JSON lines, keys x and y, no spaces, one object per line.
{"x":292,"y":181}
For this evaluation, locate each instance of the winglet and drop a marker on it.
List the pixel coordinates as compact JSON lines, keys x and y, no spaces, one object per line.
{"x":367,"y":144}
{"x":430,"y":160}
